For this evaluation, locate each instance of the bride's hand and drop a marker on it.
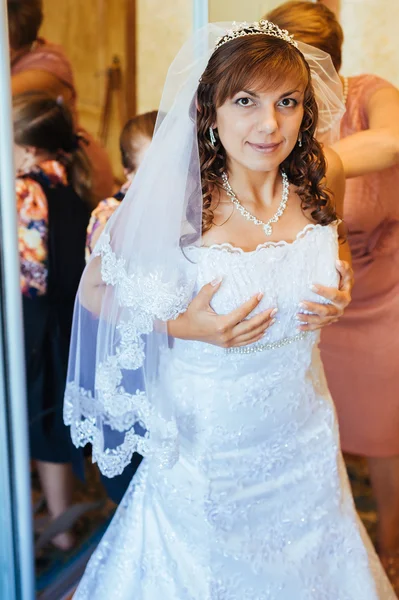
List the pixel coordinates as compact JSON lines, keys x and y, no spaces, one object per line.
{"x":201,"y":323}
{"x":326,"y":314}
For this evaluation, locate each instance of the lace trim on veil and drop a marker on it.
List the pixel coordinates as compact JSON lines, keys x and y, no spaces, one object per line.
{"x":148,"y":298}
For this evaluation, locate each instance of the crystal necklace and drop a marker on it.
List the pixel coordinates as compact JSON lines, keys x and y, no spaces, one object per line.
{"x":267,"y":227}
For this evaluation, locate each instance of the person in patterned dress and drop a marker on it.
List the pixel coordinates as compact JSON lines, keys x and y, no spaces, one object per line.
{"x":53,"y":192}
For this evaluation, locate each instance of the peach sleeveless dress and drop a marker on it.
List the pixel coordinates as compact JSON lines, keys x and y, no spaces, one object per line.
{"x":361,"y":351}
{"x":45,"y":56}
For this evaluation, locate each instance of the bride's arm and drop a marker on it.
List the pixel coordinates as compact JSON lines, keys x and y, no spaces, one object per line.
{"x":199,"y":322}
{"x":92,"y":287}
{"x":339,"y":298}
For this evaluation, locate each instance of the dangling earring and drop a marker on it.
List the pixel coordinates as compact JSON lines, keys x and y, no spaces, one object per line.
{"x":300,"y":140}
{"x":212,"y":136}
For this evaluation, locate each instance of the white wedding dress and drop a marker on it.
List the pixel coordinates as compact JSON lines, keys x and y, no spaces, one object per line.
{"x":258,"y":506}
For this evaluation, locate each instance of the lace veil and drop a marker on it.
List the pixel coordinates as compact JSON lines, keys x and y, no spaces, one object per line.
{"x":138,"y":277}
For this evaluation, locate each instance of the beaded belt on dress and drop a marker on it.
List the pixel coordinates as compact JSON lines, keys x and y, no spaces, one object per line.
{"x":271,"y":346}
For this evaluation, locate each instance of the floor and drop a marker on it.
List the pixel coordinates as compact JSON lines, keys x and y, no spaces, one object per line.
{"x":57,"y":570}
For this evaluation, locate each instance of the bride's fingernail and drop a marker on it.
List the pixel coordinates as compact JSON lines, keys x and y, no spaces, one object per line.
{"x":216,"y":281}
{"x":314,"y":288}
{"x":302,"y":305}
{"x":274,"y":312}
{"x":260,"y":296}
{"x":272,"y":322}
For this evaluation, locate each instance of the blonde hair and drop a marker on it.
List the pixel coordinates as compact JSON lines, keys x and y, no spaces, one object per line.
{"x":313,"y":24}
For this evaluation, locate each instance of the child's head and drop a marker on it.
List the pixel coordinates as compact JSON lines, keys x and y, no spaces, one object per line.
{"x":135,"y":139}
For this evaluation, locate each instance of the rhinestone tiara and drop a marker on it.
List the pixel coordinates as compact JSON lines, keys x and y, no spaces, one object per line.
{"x":262,"y":27}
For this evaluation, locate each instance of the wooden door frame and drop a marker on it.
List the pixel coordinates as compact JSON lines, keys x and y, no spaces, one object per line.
{"x":131,"y":59}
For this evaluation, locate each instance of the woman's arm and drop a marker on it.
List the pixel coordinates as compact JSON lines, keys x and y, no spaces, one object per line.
{"x":377,"y":148}
{"x":335,"y":181}
{"x":338,"y":298}
{"x":199,"y":322}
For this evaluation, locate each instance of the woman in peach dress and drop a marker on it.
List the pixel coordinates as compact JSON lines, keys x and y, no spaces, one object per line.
{"x":37,"y":64}
{"x":360,"y":352}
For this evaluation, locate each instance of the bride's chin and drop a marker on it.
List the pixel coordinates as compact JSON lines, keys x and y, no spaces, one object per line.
{"x":265,"y":163}
{"x":265,"y":166}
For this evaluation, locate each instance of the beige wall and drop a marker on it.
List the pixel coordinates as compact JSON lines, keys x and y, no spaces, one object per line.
{"x":371,"y":37}
{"x":239,"y":10}
{"x":162,"y":28}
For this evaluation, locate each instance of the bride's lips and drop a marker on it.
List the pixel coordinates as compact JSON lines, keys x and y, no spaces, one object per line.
{"x":265,"y":148}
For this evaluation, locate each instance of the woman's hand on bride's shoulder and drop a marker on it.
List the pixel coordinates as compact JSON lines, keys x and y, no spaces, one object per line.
{"x":338,"y":298}
{"x":201,"y":323}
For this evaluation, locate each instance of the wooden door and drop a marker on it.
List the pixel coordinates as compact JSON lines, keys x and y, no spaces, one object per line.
{"x":92,"y":33}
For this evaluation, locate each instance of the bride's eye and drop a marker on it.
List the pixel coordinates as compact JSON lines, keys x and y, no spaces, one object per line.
{"x":288,"y":102}
{"x":244,"y":101}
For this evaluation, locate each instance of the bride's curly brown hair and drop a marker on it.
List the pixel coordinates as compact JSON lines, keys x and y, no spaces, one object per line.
{"x":259,"y":62}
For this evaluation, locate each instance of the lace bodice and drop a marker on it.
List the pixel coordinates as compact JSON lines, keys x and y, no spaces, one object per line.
{"x":283,"y":271}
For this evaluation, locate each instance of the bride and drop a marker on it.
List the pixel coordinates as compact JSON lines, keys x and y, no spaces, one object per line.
{"x":243,"y":493}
